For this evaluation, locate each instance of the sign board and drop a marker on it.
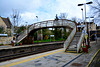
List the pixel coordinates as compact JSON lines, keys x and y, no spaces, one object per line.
{"x":86,"y":36}
{"x":3,"y":34}
{"x":51,"y":35}
{"x":84,"y":31}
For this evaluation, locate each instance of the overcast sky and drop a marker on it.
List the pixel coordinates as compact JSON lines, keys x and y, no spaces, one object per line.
{"x":44,"y":9}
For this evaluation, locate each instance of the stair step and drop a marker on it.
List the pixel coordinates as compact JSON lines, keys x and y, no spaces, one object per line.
{"x":72,"y":49}
{"x":76,"y":39}
{"x":72,"y":46}
{"x":77,"y":35}
{"x":78,"y":32}
{"x":74,"y":42}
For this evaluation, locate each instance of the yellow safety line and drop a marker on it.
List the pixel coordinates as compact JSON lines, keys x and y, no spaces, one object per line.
{"x":93,"y":58}
{"x":29,"y":59}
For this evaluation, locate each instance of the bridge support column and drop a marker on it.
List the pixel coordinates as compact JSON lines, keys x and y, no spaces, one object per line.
{"x":62,"y":32}
{"x":33,"y":40}
{"x":27,"y":39}
{"x":27,"y":36}
{"x":37,"y":37}
{"x":41,"y":36}
{"x":88,"y":36}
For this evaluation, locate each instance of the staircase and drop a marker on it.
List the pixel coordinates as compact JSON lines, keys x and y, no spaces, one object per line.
{"x":74,"y":41}
{"x":23,"y":34}
{"x":73,"y":44}
{"x":21,"y":37}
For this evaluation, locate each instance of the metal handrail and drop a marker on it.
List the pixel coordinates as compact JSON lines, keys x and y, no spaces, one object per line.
{"x":81,"y":40}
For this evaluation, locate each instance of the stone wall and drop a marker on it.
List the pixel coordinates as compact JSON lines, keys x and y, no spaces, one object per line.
{"x":2,"y":24}
{"x":5,"y":40}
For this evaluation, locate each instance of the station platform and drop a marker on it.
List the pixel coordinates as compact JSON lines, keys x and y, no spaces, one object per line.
{"x":48,"y":59}
{"x":55,"y":58}
{"x":11,"y":47}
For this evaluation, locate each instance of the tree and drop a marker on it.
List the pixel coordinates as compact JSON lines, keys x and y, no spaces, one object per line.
{"x":20,"y":29}
{"x":96,"y":8}
{"x":57,"y":33}
{"x":15,"y":19}
{"x":46,"y":32}
{"x":63,"y":15}
{"x":66,"y":34}
{"x":76,"y":19}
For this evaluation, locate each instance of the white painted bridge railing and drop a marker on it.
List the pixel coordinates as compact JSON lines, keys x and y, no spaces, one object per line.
{"x":49,"y":23}
{"x":81,"y":40}
{"x":52,"y":23}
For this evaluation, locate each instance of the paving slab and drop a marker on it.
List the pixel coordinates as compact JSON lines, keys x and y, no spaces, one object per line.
{"x":84,"y":60}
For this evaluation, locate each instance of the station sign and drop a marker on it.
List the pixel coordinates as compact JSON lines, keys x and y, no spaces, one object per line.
{"x":86,"y":36}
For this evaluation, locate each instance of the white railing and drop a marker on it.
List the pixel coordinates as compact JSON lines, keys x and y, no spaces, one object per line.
{"x":69,"y":39}
{"x":81,"y":40}
{"x":50,"y":23}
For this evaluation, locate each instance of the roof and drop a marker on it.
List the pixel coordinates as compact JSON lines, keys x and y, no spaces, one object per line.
{"x":7,"y":22}
{"x":3,"y":34}
{"x":98,"y":27}
{"x":87,"y":22}
{"x":90,"y":22}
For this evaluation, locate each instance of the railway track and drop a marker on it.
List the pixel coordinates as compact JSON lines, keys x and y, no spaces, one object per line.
{"x":36,"y":51}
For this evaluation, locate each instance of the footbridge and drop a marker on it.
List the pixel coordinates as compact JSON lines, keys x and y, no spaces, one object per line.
{"x":75,"y":40}
{"x":47,"y":24}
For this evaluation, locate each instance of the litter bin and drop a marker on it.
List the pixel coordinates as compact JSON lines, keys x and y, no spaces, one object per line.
{"x":12,"y":43}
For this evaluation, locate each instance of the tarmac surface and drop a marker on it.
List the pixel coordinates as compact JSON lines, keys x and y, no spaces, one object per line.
{"x":55,"y":58}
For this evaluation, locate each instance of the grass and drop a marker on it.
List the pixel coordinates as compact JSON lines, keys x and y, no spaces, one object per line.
{"x":84,"y":46}
{"x":1,"y":44}
{"x":49,"y":40}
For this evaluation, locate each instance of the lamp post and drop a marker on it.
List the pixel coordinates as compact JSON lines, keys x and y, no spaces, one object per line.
{"x":85,"y":17}
{"x":14,"y":17}
{"x":82,"y":14}
{"x":85,"y":7}
{"x":26,"y":28}
{"x":89,"y":26}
